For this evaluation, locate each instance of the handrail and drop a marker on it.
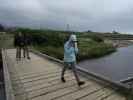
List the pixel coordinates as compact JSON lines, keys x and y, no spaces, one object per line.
{"x":126,"y":80}
{"x":8,"y":86}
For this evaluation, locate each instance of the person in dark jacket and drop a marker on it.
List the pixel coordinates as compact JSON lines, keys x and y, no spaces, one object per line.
{"x":27,"y":42}
{"x":19,"y":44}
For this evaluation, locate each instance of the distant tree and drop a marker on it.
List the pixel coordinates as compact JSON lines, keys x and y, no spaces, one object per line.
{"x":89,"y":31}
{"x":115,"y":32}
{"x":1,"y":27}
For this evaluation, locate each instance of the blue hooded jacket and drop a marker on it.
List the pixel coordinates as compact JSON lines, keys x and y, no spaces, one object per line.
{"x":69,"y":52}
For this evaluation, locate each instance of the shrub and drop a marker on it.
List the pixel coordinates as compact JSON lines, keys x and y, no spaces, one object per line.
{"x":96,"y":38}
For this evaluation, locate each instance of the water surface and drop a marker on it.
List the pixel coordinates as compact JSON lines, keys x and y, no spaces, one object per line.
{"x":117,"y":66}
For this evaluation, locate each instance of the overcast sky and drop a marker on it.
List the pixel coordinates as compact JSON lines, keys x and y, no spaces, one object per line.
{"x":82,"y":15}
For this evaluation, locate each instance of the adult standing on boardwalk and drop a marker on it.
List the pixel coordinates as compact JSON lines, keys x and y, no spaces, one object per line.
{"x":19,"y":44}
{"x":27,"y":42}
{"x":70,"y":52}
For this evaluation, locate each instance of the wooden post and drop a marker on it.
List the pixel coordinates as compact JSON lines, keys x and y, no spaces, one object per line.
{"x":130,"y":96}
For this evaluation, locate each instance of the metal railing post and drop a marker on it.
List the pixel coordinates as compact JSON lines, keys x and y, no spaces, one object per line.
{"x":130,"y":95}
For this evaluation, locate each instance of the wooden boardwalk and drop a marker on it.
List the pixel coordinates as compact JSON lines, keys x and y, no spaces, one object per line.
{"x":39,"y":79}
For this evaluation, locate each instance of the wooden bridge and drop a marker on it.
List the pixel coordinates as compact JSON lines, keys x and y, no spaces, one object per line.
{"x":39,"y":79}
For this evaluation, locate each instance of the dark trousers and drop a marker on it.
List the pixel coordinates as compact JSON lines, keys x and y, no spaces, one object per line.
{"x":73,"y":67}
{"x":26,"y":52}
{"x":18,"y":52}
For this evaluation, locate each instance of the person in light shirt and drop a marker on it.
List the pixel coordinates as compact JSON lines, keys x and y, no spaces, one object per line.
{"x":70,"y":52}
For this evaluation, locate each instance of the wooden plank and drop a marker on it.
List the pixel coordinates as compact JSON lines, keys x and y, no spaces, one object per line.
{"x":50,"y":89}
{"x":80,"y":93}
{"x":62,"y":92}
{"x":53,"y":80}
{"x":99,"y":95}
{"x":116,"y":97}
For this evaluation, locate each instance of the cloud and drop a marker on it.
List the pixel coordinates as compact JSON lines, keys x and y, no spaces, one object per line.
{"x":97,"y":15}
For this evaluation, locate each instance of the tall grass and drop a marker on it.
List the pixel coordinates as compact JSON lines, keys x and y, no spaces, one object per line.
{"x":87,"y":50}
{"x":52,"y":42}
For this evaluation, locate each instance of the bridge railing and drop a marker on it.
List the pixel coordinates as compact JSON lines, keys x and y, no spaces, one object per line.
{"x":8,"y":87}
{"x":12,"y":86}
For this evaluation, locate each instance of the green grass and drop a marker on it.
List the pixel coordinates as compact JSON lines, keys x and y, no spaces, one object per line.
{"x":6,"y":41}
{"x":87,"y":50}
{"x":92,"y":49}
{"x":56,"y":52}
